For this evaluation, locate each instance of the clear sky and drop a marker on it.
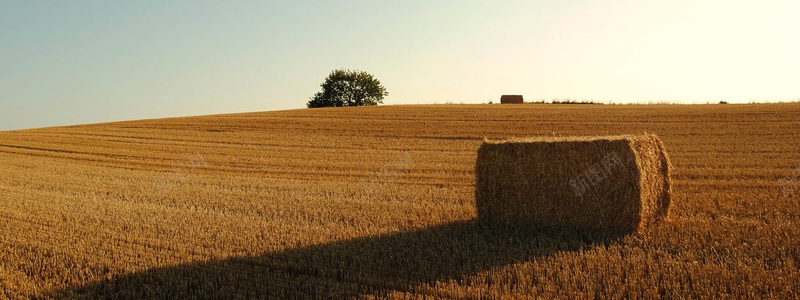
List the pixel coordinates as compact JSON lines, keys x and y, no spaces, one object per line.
{"x":74,"y":62}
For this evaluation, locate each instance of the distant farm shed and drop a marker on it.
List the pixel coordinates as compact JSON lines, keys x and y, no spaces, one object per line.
{"x":511,"y":99}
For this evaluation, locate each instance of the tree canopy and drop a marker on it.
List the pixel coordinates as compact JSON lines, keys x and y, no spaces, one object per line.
{"x":344,"y":87}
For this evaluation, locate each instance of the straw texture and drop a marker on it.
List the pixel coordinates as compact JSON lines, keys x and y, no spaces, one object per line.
{"x":619,"y":183}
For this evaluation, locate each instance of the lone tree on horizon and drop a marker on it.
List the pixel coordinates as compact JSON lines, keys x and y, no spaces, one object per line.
{"x":349,"y":88}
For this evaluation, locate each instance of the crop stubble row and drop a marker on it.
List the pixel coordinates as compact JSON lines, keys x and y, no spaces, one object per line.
{"x":312,"y":200}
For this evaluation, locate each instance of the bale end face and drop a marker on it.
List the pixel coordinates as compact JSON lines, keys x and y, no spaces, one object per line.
{"x":619,"y":183}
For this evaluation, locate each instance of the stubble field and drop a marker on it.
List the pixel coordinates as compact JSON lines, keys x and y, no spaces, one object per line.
{"x":380,"y":202}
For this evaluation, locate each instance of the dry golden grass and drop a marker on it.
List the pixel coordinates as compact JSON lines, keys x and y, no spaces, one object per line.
{"x":380,"y":202}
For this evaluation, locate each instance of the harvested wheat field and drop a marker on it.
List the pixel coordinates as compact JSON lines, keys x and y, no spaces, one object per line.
{"x":380,"y":202}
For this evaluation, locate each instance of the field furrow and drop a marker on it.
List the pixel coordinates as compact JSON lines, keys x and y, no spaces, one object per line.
{"x":380,"y":202}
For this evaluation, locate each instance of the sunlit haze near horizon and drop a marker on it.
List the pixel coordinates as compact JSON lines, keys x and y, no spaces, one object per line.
{"x":76,"y":62}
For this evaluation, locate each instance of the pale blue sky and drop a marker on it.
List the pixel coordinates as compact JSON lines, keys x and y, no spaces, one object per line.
{"x":74,"y":62}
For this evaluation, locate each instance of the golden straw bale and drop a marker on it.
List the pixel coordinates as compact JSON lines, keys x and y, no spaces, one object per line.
{"x":511,"y":99}
{"x":619,"y":183}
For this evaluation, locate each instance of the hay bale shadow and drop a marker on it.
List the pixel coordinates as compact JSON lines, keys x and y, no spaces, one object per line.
{"x":365,"y":266}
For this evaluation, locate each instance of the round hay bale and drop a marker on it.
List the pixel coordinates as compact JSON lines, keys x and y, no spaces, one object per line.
{"x":619,"y":183}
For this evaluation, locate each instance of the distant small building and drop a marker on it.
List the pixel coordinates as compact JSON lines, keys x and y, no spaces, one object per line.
{"x":511,"y":99}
